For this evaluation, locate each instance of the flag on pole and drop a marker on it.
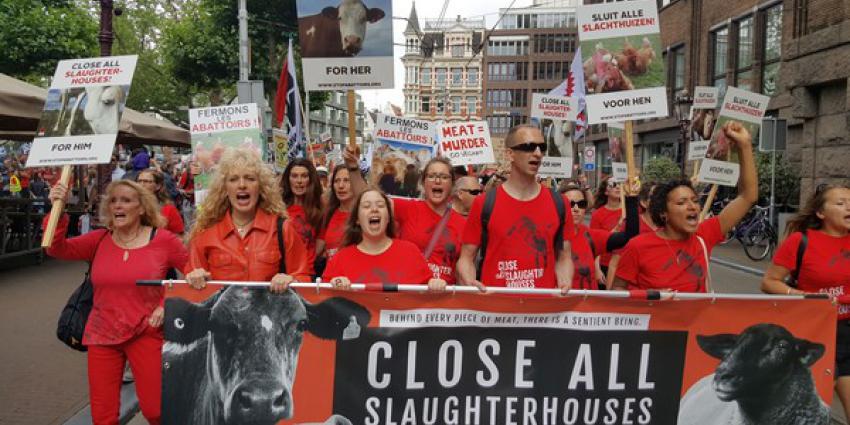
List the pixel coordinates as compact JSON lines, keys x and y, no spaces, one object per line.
{"x":287,"y":105}
{"x":573,"y":86}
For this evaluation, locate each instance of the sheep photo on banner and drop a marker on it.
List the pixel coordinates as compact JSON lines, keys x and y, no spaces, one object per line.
{"x":239,"y":355}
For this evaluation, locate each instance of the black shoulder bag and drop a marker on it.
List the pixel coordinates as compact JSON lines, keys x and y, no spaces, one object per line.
{"x":75,"y":314}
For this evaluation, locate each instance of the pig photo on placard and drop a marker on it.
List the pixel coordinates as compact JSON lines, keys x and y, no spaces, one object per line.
{"x":623,"y":63}
{"x":702,"y":123}
{"x":83,"y":110}
{"x":345,"y":28}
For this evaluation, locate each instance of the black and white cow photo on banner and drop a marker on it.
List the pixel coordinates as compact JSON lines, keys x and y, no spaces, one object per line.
{"x":217,"y":371}
{"x":346,"y":44}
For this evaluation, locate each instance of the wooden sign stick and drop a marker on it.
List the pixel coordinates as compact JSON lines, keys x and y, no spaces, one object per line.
{"x":352,"y":120}
{"x":630,"y":161}
{"x":56,"y":210}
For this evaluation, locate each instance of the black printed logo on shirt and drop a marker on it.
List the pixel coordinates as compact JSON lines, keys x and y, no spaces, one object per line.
{"x":689,"y":264}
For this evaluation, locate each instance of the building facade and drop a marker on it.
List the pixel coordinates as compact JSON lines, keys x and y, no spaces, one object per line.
{"x":333,"y":118}
{"x":442,"y":64}
{"x":529,"y":52}
{"x":795,"y":51}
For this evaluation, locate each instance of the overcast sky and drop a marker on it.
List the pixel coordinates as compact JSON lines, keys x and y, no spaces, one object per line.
{"x":429,"y":9}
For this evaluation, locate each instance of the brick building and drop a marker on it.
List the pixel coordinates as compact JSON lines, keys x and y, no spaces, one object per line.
{"x":796,"y":51}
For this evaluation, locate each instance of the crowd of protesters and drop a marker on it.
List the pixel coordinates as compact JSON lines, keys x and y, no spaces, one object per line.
{"x":513,"y":230}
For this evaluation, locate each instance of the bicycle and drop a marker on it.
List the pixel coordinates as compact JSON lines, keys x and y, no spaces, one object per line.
{"x":756,"y":234}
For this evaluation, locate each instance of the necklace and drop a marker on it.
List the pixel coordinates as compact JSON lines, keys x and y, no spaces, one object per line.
{"x":663,"y":236}
{"x":242,"y":229}
{"x":126,"y":243}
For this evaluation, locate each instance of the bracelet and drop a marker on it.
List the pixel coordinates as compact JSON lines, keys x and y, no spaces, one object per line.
{"x":353,"y":168}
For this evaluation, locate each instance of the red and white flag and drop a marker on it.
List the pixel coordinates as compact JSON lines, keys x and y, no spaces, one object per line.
{"x":573,"y":86}
{"x":287,"y":106}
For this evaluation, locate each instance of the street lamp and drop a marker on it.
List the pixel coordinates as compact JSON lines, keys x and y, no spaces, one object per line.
{"x":683,"y":102}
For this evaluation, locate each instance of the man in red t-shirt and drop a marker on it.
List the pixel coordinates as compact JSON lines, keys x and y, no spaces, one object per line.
{"x":522,"y":229}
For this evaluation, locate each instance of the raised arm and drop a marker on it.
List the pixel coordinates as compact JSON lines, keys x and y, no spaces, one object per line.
{"x":748,"y":185}
{"x":352,"y":162}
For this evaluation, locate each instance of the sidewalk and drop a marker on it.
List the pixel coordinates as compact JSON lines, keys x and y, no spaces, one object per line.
{"x":732,"y":255}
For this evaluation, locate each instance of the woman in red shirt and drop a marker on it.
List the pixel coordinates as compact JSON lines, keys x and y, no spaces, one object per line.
{"x":824,"y":267}
{"x":154,"y":181}
{"x":302,"y":195}
{"x":125,"y":320}
{"x":676,"y":256}
{"x":340,"y":201}
{"x":419,"y":219}
{"x":235,"y":236}
{"x":589,"y":243}
{"x":370,"y":252}
{"x":646,"y":225}
{"x":607,"y":214}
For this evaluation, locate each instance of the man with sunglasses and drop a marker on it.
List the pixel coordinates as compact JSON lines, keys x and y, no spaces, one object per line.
{"x":466,"y":189}
{"x":525,"y":243}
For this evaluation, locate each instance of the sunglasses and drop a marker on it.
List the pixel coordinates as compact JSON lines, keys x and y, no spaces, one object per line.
{"x":529,"y":147}
{"x":473,"y":192}
{"x":613,"y":184}
{"x":581,"y":204}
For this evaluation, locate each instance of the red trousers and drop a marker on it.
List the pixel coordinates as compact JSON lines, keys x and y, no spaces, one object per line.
{"x":106,"y":368}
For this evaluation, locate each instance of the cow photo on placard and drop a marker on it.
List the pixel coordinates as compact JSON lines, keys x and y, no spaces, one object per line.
{"x":344,"y":28}
{"x":80,"y":111}
{"x":216,"y":370}
{"x":763,"y":377}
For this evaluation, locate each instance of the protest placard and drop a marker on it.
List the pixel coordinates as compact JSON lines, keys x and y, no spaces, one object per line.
{"x":558,"y":158}
{"x":346,"y":45}
{"x":280,"y":140}
{"x":721,"y":163}
{"x":466,"y":143}
{"x":215,"y":130}
{"x":553,"y":107}
{"x":402,"y":147}
{"x":84,"y":105}
{"x":705,"y":97}
{"x":697,"y":149}
{"x":623,"y":68}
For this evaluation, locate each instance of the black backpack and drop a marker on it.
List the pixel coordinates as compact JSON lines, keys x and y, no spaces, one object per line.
{"x":487,"y":211}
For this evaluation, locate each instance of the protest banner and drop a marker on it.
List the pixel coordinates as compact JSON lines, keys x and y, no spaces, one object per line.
{"x":280,"y":140}
{"x":559,"y":108}
{"x":466,"y":143}
{"x":401,"y":148}
{"x":705,"y":97}
{"x":215,"y":130}
{"x":84,"y":105}
{"x":623,"y":68}
{"x":369,"y":358}
{"x":747,"y":109}
{"x":317,"y":153}
{"x":346,"y":45}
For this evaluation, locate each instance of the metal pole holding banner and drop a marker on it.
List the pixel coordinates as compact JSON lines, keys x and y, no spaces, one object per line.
{"x":773,"y":173}
{"x":56,"y":210}
{"x":637,"y":294}
{"x":352,"y":119}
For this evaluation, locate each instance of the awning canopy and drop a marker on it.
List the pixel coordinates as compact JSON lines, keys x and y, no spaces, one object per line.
{"x":21,"y":105}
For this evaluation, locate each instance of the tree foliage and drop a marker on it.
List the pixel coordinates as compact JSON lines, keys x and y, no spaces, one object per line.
{"x":36,"y":34}
{"x":787,"y":180}
{"x":661,"y":169}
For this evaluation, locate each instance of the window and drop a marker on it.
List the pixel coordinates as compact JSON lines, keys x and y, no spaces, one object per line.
{"x":441,"y":76}
{"x":744,"y":49}
{"x":772,"y":49}
{"x":500,"y":124}
{"x":678,"y":55}
{"x":720,"y":43}
{"x":507,"y":98}
{"x":457,"y":102}
{"x":507,"y":71}
{"x":426,"y":104}
{"x":441,"y":107}
{"x":507,"y":48}
{"x":551,"y":70}
{"x":471,"y":105}
{"x":472,"y":76}
{"x":426,"y":76}
{"x":457,"y":51}
{"x":457,"y":76}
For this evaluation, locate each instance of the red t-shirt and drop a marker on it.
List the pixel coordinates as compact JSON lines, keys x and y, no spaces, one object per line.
{"x":825,"y":267}
{"x":402,"y":262}
{"x":605,"y":219}
{"x":646,"y":226}
{"x":417,"y":222}
{"x":334,"y":232}
{"x":298,"y":217}
{"x":650,"y":262}
{"x":172,"y":217}
{"x":583,"y":255}
{"x":120,"y":309}
{"x":521,"y":236}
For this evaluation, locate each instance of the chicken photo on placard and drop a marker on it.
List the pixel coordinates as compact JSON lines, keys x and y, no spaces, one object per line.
{"x":602,"y":75}
{"x":617,"y":64}
{"x":634,"y":61}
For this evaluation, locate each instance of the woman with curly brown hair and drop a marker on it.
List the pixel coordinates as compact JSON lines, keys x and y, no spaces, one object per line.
{"x":302,"y":195}
{"x":235,"y":236}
